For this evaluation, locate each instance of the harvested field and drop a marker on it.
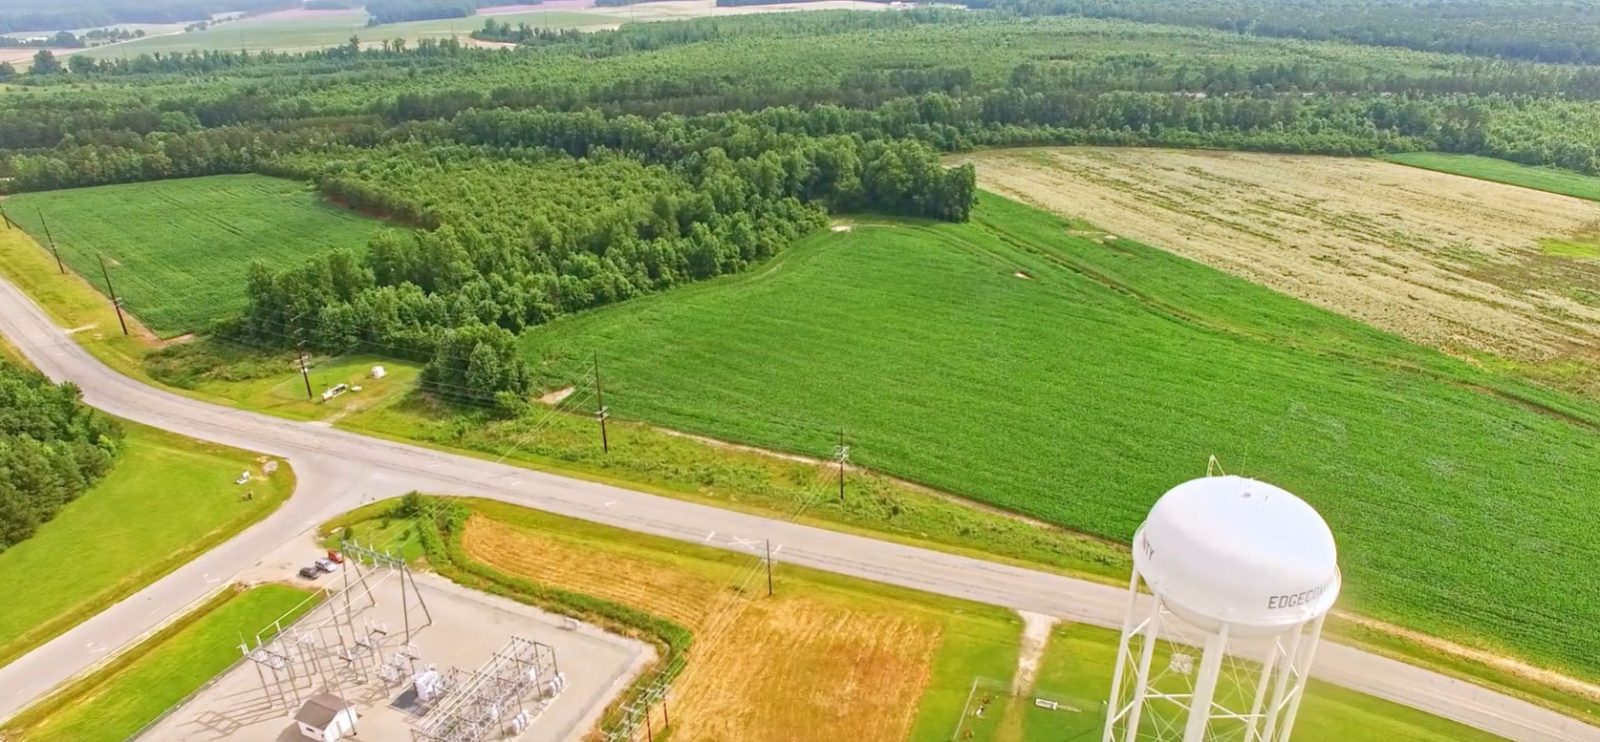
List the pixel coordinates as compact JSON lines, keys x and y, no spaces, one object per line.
{"x":1458,"y":263}
{"x":809,"y":664}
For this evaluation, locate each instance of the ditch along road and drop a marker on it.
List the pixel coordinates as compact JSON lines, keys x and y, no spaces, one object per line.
{"x":339,"y":470}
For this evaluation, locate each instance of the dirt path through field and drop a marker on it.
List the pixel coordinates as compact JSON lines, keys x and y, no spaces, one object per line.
{"x":1445,"y":260}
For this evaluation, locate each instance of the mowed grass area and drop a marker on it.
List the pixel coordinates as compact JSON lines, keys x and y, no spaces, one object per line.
{"x":1564,"y":182}
{"x":118,"y":700}
{"x":825,"y":658}
{"x":1080,"y":393}
{"x":167,"y":499}
{"x":1075,"y":670}
{"x":178,"y":250}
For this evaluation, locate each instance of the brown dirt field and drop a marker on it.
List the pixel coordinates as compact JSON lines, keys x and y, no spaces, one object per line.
{"x":795,"y":667}
{"x":1445,"y":260}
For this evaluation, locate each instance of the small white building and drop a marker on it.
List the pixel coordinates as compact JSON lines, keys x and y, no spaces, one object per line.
{"x":326,"y":717}
{"x":378,"y":372}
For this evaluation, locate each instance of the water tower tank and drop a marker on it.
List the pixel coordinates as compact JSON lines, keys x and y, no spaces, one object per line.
{"x":1237,"y":551}
{"x":1242,"y":574}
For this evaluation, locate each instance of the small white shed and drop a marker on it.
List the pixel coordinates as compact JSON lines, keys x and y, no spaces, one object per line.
{"x":326,"y":717}
{"x":379,"y":372}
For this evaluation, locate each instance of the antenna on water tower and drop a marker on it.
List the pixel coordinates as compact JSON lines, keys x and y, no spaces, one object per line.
{"x":1242,"y":572}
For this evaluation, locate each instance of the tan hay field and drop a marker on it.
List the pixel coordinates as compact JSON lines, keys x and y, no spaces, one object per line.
{"x":1445,"y":260}
{"x":805,"y":665}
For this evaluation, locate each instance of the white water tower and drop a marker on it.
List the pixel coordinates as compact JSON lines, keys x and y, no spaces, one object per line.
{"x":1240,"y":575}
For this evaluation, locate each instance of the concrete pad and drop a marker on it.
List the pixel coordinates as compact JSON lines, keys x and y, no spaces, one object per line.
{"x":465,"y":630}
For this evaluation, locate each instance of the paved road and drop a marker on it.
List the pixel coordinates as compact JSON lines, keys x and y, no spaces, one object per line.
{"x":338,"y":470}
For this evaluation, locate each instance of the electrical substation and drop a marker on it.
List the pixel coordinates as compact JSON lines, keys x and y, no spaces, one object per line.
{"x":381,"y":652}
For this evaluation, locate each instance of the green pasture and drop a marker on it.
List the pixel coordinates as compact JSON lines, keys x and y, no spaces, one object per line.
{"x":178,"y":250}
{"x":168,"y":499}
{"x":116,"y":701}
{"x":1550,"y":179}
{"x":1104,"y":374}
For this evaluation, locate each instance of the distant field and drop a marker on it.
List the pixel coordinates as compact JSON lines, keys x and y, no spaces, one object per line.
{"x":178,"y":250}
{"x":1106,"y":373}
{"x":301,"y":30}
{"x":1541,"y":178}
{"x":313,"y":30}
{"x":167,"y":499}
{"x":117,"y":701}
{"x":1456,"y":263}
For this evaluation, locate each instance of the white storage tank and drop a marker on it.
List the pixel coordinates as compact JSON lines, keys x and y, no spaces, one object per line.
{"x":1241,"y":572}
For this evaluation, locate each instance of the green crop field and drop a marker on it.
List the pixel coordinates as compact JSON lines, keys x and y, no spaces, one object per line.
{"x":167,"y":499}
{"x":117,"y":701}
{"x":1013,"y":362}
{"x":1549,"y":179}
{"x":178,"y":250}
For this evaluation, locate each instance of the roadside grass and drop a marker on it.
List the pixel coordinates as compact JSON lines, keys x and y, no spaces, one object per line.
{"x":116,"y":701}
{"x":10,"y":354}
{"x":1080,"y":395}
{"x":1550,"y":179}
{"x":1543,"y":692}
{"x":74,"y":305}
{"x":648,"y":459}
{"x":178,"y":250}
{"x":167,"y":499}
{"x":1077,"y":666}
{"x":280,"y":389}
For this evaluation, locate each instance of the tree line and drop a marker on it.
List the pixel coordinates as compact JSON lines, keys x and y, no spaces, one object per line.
{"x":536,"y":233}
{"x":52,"y":449}
{"x":1539,"y":30}
{"x":401,"y":11}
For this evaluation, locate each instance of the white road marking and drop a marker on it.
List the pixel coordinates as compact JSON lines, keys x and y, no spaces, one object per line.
{"x":748,"y":543}
{"x":709,"y":536}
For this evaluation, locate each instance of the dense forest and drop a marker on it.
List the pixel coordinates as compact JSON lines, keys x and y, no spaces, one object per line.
{"x":52,"y":449}
{"x":588,"y":168}
{"x":1540,"y":30}
{"x":56,"y":15}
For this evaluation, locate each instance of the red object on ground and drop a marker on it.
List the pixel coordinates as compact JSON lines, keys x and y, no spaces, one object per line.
{"x":335,"y":557}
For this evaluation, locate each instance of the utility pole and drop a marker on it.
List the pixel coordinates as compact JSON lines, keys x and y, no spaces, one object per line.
{"x":113,"y":292}
{"x":769,"y":567}
{"x":841,"y":454}
{"x":52,"y":240}
{"x":601,"y":413}
{"x":300,"y":350}
{"x":3,"y":215}
{"x":305,"y":370}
